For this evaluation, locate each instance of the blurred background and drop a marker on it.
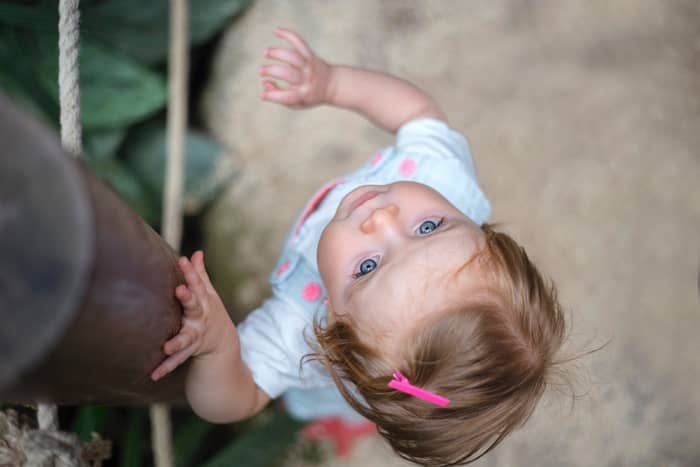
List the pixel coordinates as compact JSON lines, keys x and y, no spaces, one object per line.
{"x":584,"y":121}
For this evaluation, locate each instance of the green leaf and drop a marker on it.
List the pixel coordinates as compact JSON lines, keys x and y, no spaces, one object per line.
{"x":140,"y":29}
{"x":42,"y":16}
{"x":133,"y":27}
{"x":206,"y":169}
{"x":114,"y":90}
{"x":103,"y":144}
{"x":134,"y":439}
{"x":128,"y":187}
{"x":19,"y":78}
{"x":90,"y":418}
{"x":189,"y":438}
{"x":261,"y":445}
{"x":22,"y":98}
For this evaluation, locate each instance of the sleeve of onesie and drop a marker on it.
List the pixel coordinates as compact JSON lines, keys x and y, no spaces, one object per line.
{"x":428,"y":151}
{"x":272,"y":345}
{"x":428,"y":137}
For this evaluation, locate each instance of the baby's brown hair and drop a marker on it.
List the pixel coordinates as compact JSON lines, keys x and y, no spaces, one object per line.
{"x":491,"y":354}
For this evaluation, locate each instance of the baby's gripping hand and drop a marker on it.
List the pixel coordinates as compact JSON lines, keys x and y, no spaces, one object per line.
{"x":306,"y":75}
{"x":205,"y":322}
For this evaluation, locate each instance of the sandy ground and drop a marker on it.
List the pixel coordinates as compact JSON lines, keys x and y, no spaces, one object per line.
{"x":584,"y":119}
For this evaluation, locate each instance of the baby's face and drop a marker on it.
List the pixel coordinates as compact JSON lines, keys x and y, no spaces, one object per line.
{"x":390,"y":255}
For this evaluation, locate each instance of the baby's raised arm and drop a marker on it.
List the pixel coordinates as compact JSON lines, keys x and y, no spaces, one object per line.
{"x":219,"y":386}
{"x":386,"y":100}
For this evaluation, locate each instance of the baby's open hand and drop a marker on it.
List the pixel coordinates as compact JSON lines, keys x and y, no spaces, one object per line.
{"x":307,"y":76}
{"x":205,"y":321}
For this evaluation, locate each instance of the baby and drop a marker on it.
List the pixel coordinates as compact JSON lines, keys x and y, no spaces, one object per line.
{"x":425,"y":319}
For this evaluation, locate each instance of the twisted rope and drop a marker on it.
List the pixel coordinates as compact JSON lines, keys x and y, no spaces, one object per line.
{"x":177,"y":121}
{"x":69,"y":101}
{"x":68,"y":76}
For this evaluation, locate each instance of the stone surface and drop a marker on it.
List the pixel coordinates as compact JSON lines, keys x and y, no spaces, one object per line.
{"x":584,"y":119}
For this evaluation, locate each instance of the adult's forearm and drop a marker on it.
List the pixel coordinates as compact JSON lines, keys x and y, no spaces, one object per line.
{"x":386,"y":100}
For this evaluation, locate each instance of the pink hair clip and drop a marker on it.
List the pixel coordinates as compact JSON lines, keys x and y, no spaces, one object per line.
{"x":401,"y":383}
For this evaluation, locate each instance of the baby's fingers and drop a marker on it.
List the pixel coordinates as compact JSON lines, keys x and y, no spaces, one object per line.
{"x":177,"y":343}
{"x":296,"y":40}
{"x":171,"y":363}
{"x":287,"y":97}
{"x":189,"y":301}
{"x":270,"y":86}
{"x":198,"y":256}
{"x":291,"y":57}
{"x":194,"y":281}
{"x":283,"y":72}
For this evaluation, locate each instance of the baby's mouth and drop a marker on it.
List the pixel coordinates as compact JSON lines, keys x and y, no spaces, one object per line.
{"x":362,"y":200}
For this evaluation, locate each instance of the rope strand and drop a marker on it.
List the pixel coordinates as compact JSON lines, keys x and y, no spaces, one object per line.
{"x":172,"y":195}
{"x":69,"y":102}
{"x":177,"y":121}
{"x":68,"y":75}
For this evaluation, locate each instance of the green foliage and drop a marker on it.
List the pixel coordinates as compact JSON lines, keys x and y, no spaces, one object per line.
{"x":206,"y":171}
{"x":129,"y":188}
{"x":133,"y":28}
{"x":135,"y":439}
{"x":115,"y":91}
{"x":90,"y":418}
{"x":261,"y":445}
{"x":144,"y":36}
{"x":43,"y":16}
{"x":103,"y":144}
{"x":189,"y":438}
{"x":120,"y":88}
{"x":19,"y":77}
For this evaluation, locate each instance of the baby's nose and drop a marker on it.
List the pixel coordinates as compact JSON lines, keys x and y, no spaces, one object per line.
{"x":384,"y":217}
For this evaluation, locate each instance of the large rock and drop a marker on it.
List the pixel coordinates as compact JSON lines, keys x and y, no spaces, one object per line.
{"x":583,"y":118}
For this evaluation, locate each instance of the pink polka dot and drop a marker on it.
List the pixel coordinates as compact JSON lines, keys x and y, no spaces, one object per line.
{"x":407,"y":167}
{"x":283,"y":267}
{"x":311,"y":291}
{"x":375,"y":160}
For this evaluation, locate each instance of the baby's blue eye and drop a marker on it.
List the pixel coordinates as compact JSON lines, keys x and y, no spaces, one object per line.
{"x":366,"y":267}
{"x":428,"y":227}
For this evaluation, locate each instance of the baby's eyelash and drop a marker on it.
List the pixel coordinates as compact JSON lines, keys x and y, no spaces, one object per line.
{"x":357,"y":275}
{"x":375,"y":259}
{"x":437,"y":221}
